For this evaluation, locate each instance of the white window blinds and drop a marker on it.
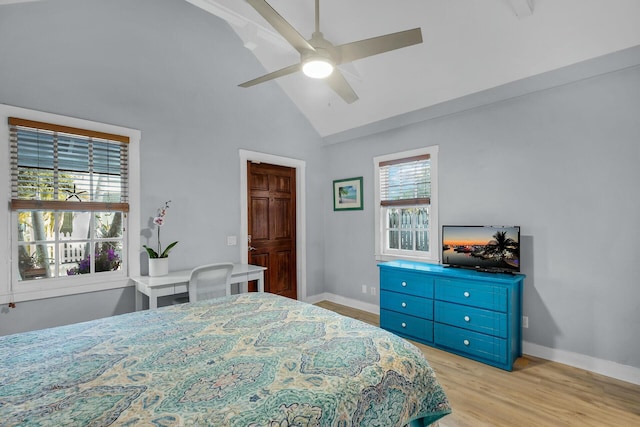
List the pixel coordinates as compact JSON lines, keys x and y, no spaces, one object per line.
{"x":63,"y":168}
{"x":405,"y":181}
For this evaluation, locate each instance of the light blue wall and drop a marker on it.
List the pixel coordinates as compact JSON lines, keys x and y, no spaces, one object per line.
{"x":171,"y":70}
{"x":563,"y":164}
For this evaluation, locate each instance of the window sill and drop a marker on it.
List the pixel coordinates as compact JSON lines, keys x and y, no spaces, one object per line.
{"x":36,"y":294}
{"x":380,"y":257}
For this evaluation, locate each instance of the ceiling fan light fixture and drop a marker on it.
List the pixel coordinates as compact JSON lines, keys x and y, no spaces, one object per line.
{"x":318,"y":68}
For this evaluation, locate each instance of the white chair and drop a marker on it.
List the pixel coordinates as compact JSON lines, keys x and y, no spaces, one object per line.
{"x":208,"y":281}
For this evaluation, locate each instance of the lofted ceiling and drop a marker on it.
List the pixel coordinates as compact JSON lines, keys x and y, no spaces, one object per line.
{"x":469,"y":46}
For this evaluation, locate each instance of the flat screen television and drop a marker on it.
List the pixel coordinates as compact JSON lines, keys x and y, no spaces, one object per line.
{"x":489,"y":248}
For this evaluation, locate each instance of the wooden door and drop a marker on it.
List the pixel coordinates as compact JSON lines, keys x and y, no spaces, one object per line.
{"x":271,"y":195}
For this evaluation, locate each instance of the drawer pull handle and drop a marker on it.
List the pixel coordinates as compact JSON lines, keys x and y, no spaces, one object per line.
{"x":404,"y":304}
{"x":466,"y":342}
{"x":467,"y":318}
{"x":466,"y":294}
{"x":404,"y":284}
{"x":404,"y":325}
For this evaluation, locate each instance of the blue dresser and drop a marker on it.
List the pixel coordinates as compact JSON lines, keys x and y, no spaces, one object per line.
{"x":470,"y":313}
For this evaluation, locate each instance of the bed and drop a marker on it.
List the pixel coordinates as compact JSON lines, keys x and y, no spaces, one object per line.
{"x":244,"y":360}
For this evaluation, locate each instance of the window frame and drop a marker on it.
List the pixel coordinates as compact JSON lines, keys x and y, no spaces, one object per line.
{"x":13,"y":291}
{"x":382,"y":252}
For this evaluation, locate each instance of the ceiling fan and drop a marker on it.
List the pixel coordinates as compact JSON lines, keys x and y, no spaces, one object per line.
{"x":319,"y":57}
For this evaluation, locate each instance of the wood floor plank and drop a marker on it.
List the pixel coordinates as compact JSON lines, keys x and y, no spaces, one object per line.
{"x":537,"y":392}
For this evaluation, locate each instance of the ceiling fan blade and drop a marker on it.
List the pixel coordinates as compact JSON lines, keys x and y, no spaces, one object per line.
{"x":281,"y":26}
{"x":273,"y":75}
{"x":361,"y":49}
{"x":340,"y":86}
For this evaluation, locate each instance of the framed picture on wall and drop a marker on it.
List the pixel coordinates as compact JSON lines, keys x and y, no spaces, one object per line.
{"x":347,"y":194}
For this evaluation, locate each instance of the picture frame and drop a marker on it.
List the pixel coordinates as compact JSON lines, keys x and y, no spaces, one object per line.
{"x":347,"y":194}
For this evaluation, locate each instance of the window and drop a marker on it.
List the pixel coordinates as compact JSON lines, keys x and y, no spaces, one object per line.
{"x":406,"y":201}
{"x":69,"y":206}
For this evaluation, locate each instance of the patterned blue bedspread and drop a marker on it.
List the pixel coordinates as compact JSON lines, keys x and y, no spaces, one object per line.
{"x":245,"y":360}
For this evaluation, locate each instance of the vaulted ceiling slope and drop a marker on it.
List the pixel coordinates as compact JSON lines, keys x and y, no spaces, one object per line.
{"x":474,"y":52}
{"x":469,"y":46}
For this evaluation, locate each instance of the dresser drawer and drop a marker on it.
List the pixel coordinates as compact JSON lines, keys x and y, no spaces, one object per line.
{"x":407,"y":304}
{"x":475,"y":319}
{"x":404,"y":324}
{"x":407,"y":283}
{"x":474,"y":344}
{"x":475,"y":294}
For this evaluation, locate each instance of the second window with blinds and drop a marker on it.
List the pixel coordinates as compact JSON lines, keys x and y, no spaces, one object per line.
{"x":406,"y":205}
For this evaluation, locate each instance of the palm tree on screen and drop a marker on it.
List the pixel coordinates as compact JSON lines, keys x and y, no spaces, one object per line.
{"x":502,"y":247}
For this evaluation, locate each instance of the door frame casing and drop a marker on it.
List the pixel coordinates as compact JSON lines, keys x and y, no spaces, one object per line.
{"x":301,"y":217}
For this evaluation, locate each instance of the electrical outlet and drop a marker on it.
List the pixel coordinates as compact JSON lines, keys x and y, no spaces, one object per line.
{"x":364,"y":289}
{"x":525,"y":321}
{"x":373,"y":291}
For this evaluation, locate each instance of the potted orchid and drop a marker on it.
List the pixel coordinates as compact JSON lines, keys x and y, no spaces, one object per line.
{"x":159,"y":260}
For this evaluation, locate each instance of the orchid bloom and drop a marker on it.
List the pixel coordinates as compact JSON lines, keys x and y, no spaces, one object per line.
{"x":159,"y":222}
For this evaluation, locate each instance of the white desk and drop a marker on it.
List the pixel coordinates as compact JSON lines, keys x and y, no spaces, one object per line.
{"x":177,"y":282}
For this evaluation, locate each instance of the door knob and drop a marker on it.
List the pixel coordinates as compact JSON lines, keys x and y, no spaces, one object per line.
{"x":251,"y":248}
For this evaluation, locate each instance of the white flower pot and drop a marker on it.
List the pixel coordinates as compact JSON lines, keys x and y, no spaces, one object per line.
{"x":158,"y":267}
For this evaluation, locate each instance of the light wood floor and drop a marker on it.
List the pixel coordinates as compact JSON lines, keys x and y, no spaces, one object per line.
{"x":536,"y":393}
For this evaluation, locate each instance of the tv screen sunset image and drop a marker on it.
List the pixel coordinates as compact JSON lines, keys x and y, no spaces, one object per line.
{"x":490,"y":248}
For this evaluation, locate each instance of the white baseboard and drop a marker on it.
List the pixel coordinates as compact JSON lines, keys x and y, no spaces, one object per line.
{"x":599,"y":366}
{"x":327,"y":296}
